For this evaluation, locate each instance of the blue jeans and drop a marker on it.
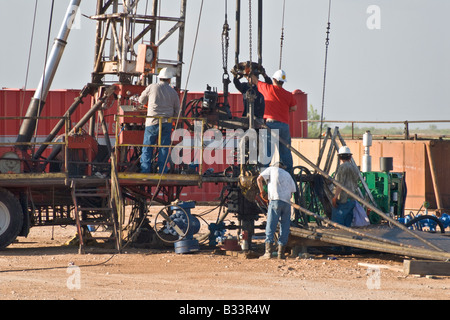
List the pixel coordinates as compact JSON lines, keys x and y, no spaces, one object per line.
{"x":343,"y":214}
{"x":285,"y":152}
{"x":151,"y":137}
{"x":278,"y":211}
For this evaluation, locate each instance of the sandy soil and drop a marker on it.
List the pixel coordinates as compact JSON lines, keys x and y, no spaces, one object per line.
{"x":41,"y":267}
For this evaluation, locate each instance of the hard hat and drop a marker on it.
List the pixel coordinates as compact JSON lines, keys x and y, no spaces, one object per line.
{"x":280,"y":75}
{"x":166,"y":73}
{"x":344,"y":150}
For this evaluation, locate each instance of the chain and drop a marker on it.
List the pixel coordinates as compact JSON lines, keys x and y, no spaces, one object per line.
{"x":250,"y":30}
{"x":282,"y":35}
{"x":225,"y":42}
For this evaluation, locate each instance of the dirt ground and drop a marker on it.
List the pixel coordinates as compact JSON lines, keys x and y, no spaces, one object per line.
{"x":41,"y":267}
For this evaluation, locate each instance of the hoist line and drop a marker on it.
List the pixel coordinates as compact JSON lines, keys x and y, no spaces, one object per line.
{"x":327,"y":42}
{"x":43,"y":74}
{"x":29,"y":58}
{"x":282,"y":34}
{"x":178,"y":117}
{"x":250,"y":37}
{"x":225,"y":41}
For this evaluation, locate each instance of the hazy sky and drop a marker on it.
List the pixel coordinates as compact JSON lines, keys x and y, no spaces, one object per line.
{"x":388,"y":59}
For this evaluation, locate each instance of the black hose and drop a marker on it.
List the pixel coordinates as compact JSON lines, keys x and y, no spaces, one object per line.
{"x":426,"y":217}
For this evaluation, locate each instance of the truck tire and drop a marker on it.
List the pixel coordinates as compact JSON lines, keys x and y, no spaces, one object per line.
{"x":11,"y":218}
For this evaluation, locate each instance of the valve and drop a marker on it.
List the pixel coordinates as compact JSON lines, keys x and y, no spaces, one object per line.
{"x":175,"y":224}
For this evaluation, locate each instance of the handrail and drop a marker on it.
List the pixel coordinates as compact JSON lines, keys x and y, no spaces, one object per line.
{"x":159,"y":145}
{"x":406,"y":135}
{"x":31,"y":144}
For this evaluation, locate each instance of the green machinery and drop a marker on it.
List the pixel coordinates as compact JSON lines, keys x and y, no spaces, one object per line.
{"x":389,"y":192}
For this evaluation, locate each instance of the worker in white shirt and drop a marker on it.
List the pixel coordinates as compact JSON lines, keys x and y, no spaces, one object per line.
{"x":162,"y":101}
{"x":280,"y":187}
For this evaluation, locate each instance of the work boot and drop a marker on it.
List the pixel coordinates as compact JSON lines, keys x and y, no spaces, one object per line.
{"x":268,"y":251}
{"x":281,"y":250}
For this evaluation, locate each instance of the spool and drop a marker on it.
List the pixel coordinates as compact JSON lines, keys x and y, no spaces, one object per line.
{"x":366,"y":163}
{"x":367,"y":158}
{"x":367,"y":139}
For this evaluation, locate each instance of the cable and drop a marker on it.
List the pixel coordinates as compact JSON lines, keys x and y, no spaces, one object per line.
{"x":29,"y":57}
{"x":59,"y":267}
{"x":184,"y":94}
{"x":250,"y":31}
{"x":178,"y":117}
{"x":43,"y":75}
{"x":327,"y":42}
{"x":282,"y":34}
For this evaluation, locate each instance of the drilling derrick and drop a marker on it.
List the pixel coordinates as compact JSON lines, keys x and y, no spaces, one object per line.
{"x":72,"y":176}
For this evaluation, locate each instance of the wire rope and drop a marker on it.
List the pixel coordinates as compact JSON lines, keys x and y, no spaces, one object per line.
{"x":179,"y":112}
{"x":327,"y":42}
{"x":29,"y":57}
{"x":45,"y":66}
{"x":282,"y":34}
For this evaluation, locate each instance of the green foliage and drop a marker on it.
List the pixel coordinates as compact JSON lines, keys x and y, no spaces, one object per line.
{"x":431,"y":131}
{"x":314,"y":127}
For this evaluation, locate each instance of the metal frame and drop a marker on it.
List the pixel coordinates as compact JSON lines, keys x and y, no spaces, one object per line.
{"x":114,"y":22}
{"x":165,"y":179}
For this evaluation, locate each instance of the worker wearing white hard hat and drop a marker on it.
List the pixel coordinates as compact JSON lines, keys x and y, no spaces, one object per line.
{"x":348,"y":176}
{"x":162,"y":101}
{"x":280,"y":187}
{"x":344,"y":150}
{"x":280,"y":76}
{"x":279,"y":104}
{"x":166,"y":73}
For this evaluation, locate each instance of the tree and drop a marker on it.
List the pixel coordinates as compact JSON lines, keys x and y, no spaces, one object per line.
{"x":314,"y":127}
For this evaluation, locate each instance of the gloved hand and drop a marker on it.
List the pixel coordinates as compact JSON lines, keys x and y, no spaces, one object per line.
{"x":334,"y":201}
{"x":261,"y":70}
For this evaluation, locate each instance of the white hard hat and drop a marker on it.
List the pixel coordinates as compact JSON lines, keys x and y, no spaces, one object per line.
{"x":344,"y":150}
{"x":166,"y":73}
{"x":280,"y":75}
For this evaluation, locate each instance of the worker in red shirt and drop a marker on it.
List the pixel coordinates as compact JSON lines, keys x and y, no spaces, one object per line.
{"x":279,"y":103}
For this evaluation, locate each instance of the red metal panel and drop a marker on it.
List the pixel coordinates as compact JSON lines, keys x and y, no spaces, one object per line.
{"x":440,"y":150}
{"x":209,"y":192}
{"x":14,"y":103}
{"x":295,"y":126}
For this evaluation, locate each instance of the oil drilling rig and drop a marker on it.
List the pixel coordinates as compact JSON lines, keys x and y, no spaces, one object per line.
{"x":83,"y":176}
{"x":86,"y":171}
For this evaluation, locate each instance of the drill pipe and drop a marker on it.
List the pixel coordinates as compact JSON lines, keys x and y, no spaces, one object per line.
{"x":339,"y":226}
